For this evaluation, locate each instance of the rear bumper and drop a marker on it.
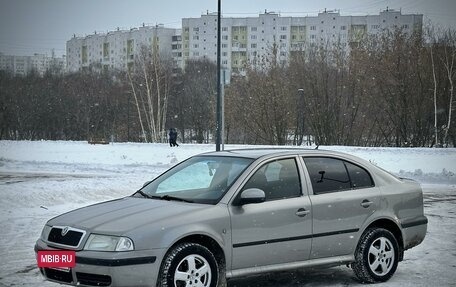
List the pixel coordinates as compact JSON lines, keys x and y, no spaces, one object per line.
{"x":136,"y":268}
{"x":414,"y":231}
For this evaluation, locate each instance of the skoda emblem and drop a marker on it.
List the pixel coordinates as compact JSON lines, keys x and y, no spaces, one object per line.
{"x":65,"y":230}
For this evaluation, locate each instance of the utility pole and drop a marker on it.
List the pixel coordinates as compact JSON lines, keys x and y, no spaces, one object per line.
{"x":218,"y":127}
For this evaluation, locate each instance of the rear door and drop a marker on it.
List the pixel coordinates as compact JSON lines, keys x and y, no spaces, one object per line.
{"x":278,"y":230}
{"x":343,"y":198}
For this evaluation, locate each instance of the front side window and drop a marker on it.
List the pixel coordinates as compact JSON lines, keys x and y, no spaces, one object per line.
{"x":332,"y":175}
{"x":278,"y":179}
{"x":201,"y":179}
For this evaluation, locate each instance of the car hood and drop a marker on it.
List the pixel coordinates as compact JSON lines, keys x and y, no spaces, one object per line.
{"x":117,"y":217}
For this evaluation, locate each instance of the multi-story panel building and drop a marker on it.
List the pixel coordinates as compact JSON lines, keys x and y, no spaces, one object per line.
{"x":246,"y":40}
{"x":117,"y":49}
{"x":23,"y":65}
{"x":243,"y":40}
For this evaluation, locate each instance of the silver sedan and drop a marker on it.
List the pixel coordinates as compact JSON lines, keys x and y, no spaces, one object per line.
{"x":222,"y":215}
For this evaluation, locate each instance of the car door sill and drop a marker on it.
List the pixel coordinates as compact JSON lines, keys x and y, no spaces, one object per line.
{"x":329,"y":261}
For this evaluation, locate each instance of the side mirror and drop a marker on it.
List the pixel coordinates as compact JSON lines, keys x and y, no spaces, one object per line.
{"x":147,"y":182}
{"x":252,"y":195}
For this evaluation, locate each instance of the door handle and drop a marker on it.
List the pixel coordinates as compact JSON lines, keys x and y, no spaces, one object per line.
{"x":366,"y":203}
{"x":302,"y":212}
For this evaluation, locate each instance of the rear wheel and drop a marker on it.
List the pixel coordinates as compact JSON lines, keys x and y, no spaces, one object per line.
{"x":189,"y":265}
{"x":376,"y":256}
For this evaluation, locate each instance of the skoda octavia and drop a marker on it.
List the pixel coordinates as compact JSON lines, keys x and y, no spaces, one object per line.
{"x":221,"y":215}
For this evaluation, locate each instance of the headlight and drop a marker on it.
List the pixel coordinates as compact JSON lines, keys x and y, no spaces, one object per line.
{"x":45,"y":232}
{"x":98,"y":242}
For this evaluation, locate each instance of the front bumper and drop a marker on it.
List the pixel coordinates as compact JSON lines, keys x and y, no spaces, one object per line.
{"x":133,"y":268}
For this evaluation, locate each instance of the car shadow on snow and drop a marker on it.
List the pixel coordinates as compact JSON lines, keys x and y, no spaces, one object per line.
{"x":337,"y":276}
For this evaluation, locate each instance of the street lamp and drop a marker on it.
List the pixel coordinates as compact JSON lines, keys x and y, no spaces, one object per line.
{"x":219,"y":128}
{"x":300,"y":116}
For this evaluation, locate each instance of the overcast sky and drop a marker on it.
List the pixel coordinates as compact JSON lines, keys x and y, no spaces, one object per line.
{"x":37,"y":26}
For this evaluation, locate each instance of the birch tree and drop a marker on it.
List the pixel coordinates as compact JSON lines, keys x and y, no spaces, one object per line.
{"x":151,"y":81}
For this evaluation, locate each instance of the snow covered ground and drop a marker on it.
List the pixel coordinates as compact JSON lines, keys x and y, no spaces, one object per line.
{"x":39,"y":180}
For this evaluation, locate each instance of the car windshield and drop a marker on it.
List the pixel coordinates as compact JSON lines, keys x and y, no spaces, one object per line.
{"x":200,"y":179}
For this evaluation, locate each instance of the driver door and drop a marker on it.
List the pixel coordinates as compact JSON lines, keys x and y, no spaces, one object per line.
{"x":278,"y":230}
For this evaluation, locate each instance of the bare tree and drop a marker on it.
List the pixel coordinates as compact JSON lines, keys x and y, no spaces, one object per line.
{"x":151,"y":80}
{"x":448,"y":60}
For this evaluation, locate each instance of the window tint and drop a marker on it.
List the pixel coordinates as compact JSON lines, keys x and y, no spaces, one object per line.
{"x":278,"y":179}
{"x":327,"y":174}
{"x":359,"y":177}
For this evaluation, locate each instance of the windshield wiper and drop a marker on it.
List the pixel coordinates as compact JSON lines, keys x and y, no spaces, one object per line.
{"x":144,"y":194}
{"x":164,"y":197}
{"x":170,"y":197}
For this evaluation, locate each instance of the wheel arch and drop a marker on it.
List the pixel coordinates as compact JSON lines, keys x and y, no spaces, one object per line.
{"x":392,"y":227}
{"x":208,"y":242}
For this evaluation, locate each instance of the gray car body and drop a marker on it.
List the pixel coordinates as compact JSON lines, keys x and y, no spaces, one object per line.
{"x":252,"y":238}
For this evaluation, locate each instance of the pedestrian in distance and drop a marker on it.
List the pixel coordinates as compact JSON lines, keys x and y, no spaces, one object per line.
{"x":172,"y":137}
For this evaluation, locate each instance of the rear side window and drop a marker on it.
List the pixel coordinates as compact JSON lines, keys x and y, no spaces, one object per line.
{"x":327,"y":174}
{"x":359,"y":177}
{"x":332,"y":175}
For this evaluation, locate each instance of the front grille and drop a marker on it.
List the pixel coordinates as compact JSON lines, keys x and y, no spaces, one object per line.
{"x":58,"y":275}
{"x":93,"y":279}
{"x":71,"y":238}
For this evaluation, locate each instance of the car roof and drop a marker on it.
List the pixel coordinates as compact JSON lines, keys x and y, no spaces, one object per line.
{"x":255,"y":153}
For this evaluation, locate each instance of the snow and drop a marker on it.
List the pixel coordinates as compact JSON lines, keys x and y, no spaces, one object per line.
{"x":41,"y":179}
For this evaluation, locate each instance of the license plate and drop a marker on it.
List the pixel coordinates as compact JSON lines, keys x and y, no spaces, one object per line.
{"x":64,"y":269}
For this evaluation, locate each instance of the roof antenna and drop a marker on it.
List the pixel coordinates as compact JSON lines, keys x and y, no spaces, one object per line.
{"x":317,"y":146}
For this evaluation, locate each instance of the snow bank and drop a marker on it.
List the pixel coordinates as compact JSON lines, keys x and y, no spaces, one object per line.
{"x":424,"y":164}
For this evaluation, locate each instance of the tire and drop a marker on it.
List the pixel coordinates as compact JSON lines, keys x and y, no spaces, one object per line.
{"x":190,"y":264}
{"x":376,"y":256}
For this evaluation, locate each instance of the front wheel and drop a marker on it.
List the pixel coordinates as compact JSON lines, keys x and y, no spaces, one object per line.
{"x":189,"y":265}
{"x":376,"y":256}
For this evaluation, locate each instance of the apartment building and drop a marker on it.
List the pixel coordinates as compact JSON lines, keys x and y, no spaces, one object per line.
{"x":244,"y":40}
{"x":249,"y":39}
{"x":117,"y":49}
{"x":23,"y":65}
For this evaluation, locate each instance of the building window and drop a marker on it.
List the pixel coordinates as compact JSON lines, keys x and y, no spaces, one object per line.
{"x":253,"y":29}
{"x":196,"y":29}
{"x":224,"y":54}
{"x":313,"y":28}
{"x":405,"y":26}
{"x":224,"y":62}
{"x":343,"y":28}
{"x":253,"y":37}
{"x":224,"y":29}
{"x":225,"y":45}
{"x":375,"y":26}
{"x":283,"y":28}
{"x":195,"y":46}
{"x":225,"y":37}
{"x":283,"y":37}
{"x":253,"y":46}
{"x":196,"y":54}
{"x":195,"y":37}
